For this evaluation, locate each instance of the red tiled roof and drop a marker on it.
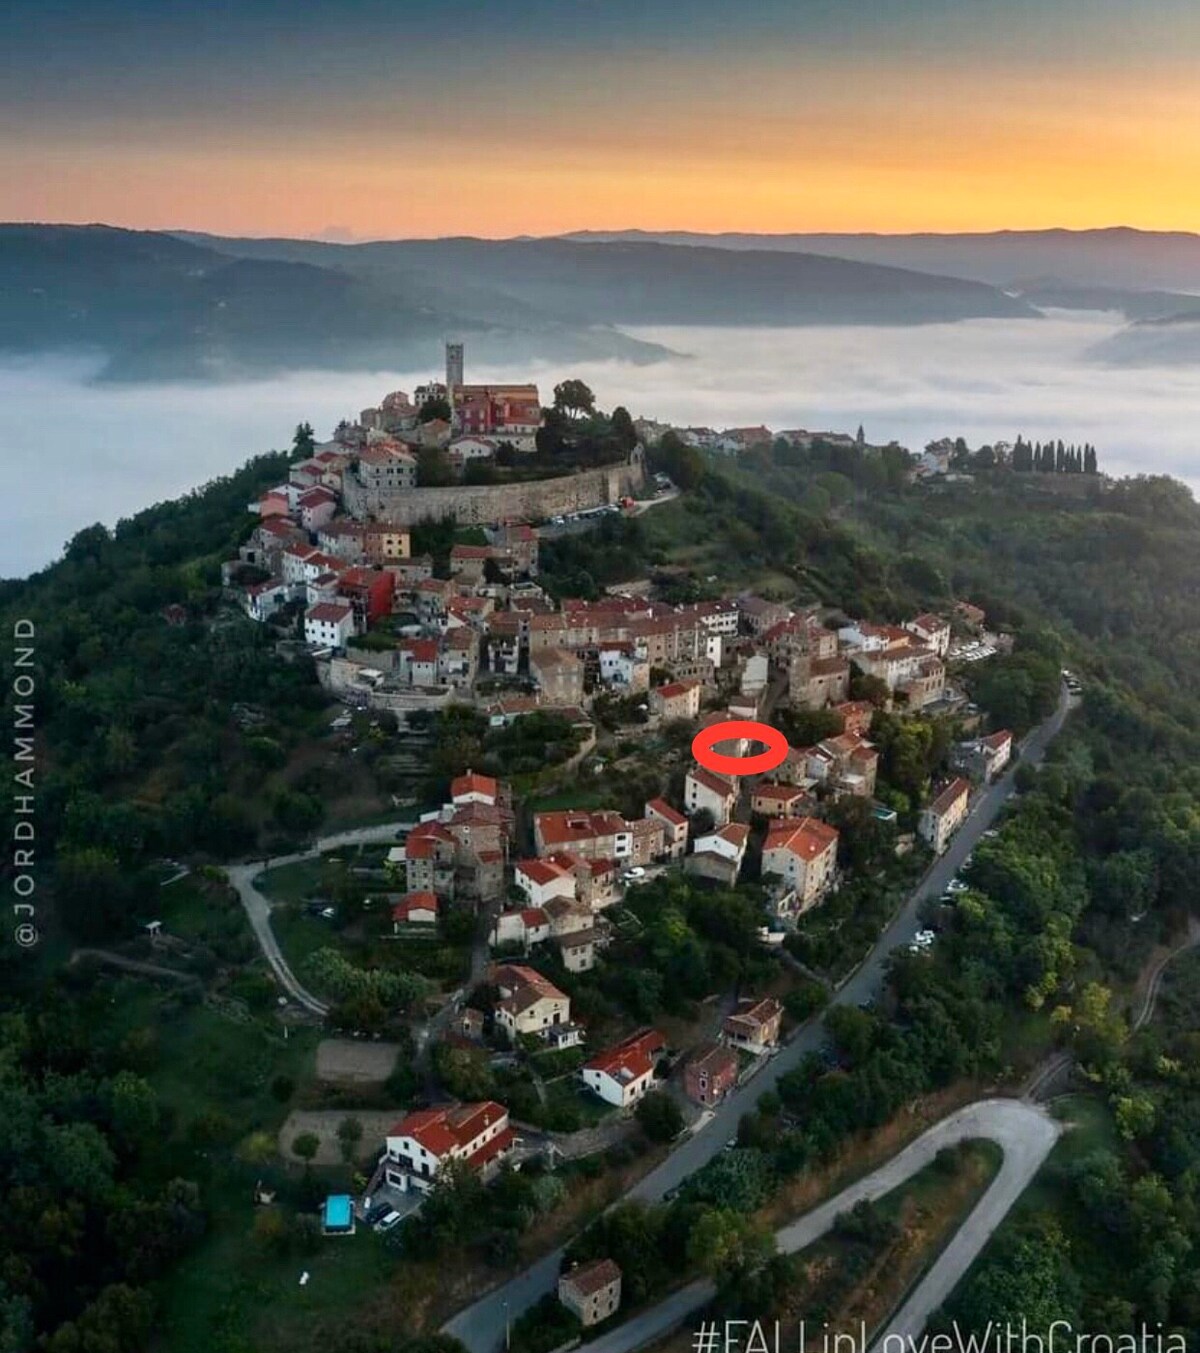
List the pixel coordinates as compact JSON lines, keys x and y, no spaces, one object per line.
{"x":411,"y":902}
{"x":441,"y":1129}
{"x":661,"y":808}
{"x":473,"y":783}
{"x":779,"y":793}
{"x":421,"y":650}
{"x":995,"y":741}
{"x":542,"y":872}
{"x":710,"y":780}
{"x":805,"y":838}
{"x":563,"y":827}
{"x":588,"y":1279}
{"x":329,"y":612}
{"x":630,"y":1059}
{"x":949,"y":796}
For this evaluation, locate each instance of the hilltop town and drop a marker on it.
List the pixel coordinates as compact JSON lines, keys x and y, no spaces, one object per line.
{"x":381,"y":809}
{"x":553,"y":886}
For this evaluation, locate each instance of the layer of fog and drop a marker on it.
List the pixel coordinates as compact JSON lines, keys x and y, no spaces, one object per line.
{"x":75,"y":453}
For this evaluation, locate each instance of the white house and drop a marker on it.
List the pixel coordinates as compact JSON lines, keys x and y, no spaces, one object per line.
{"x":543,"y":880}
{"x":621,"y":1075}
{"x":804,"y":855}
{"x":424,"y":1141}
{"x":703,"y":788}
{"x":329,"y":625}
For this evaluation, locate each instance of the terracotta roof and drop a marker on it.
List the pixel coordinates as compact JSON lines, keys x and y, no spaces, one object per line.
{"x":955,"y":790}
{"x":561,"y":828}
{"x":661,"y":808}
{"x":779,"y":793}
{"x":997,"y":740}
{"x":420,"y":650}
{"x":673,"y":689}
{"x":473,"y":783}
{"x":630,"y":1059}
{"x":735,"y":833}
{"x":542,"y":872}
{"x":451,"y":1126}
{"x":588,"y":1279}
{"x":805,"y":838}
{"x":329,"y":612}
{"x":710,"y":780}
{"x":534,"y":917}
{"x":755,"y":1013}
{"x":714,"y":1058}
{"x":411,"y":902}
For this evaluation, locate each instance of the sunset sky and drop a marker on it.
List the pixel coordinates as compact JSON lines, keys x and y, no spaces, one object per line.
{"x":501,"y":117}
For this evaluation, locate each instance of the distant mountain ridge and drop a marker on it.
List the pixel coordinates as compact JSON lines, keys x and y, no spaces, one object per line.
{"x":182,"y":305}
{"x":1113,"y":256}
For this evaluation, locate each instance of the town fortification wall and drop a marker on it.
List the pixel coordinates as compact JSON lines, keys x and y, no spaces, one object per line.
{"x":483,"y":504}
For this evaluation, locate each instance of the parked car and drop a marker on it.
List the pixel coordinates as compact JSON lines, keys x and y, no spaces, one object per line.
{"x":388,"y":1221}
{"x":377,"y":1213}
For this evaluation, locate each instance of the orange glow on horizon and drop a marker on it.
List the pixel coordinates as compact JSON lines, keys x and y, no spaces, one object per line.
{"x":971,"y":153}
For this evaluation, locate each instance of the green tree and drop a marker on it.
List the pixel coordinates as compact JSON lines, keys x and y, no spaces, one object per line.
{"x":349,"y":1134}
{"x":304,"y":442}
{"x":659,"y":1116}
{"x":574,"y":398}
{"x":434,"y":408}
{"x":305,"y":1145}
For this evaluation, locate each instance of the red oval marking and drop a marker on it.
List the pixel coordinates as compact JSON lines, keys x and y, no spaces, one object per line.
{"x":753,"y":731}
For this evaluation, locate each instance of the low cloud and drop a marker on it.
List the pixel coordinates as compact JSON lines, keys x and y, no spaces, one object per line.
{"x":76,"y":453}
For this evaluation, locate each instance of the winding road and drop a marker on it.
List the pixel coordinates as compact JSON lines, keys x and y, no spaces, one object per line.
{"x":480,"y":1326}
{"x":258,"y":906}
{"x":1024,"y":1133}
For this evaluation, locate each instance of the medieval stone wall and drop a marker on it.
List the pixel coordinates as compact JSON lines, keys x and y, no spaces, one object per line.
{"x":484,"y":504}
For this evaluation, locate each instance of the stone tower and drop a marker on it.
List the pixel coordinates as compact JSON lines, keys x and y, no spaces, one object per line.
{"x":454,"y":369}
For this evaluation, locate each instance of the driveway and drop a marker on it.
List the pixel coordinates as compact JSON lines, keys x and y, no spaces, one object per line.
{"x":477,"y":1324}
{"x":242,"y":878}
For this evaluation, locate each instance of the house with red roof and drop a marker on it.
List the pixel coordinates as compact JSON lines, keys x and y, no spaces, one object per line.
{"x":711,"y":1072}
{"x":529,"y":1002}
{"x":316,"y":506}
{"x":803,"y":853}
{"x":475,"y":788}
{"x":943,"y":817}
{"x":703,"y":788}
{"x":591,"y":1291}
{"x":770,"y":800}
{"x":418,"y":661}
{"x":414,"y":909}
{"x":329,"y":624}
{"x":932,"y":631}
{"x":429,"y":853}
{"x":675,"y":827}
{"x":718,"y":855}
{"x":523,"y":925}
{"x":369,"y":591}
{"x":542,"y":880}
{"x":754,"y":1025}
{"x":423,"y":1142}
{"x":675,"y":700}
{"x":622,"y":1074}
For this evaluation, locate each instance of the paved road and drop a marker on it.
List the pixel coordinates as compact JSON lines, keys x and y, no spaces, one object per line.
{"x":477,"y":1325}
{"x":258,"y":906}
{"x":1024,"y":1133}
